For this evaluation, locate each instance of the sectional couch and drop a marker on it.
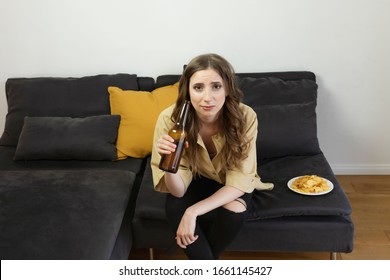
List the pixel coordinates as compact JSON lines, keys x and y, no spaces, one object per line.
{"x":75,"y":178}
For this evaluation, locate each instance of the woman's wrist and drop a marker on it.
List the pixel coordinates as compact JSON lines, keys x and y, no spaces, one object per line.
{"x":192,"y":211}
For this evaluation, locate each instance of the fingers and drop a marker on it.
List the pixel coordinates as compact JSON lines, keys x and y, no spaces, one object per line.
{"x":165,"y":145}
{"x":185,"y":241}
{"x":185,"y":234}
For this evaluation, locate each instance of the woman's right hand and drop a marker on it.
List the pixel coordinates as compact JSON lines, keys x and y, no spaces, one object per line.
{"x":185,"y":234}
{"x":165,"y":145}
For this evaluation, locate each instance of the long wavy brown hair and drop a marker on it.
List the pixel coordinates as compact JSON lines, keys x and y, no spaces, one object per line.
{"x":232,"y":119}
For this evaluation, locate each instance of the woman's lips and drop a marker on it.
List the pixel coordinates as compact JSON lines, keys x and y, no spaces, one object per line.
{"x":207,"y":108}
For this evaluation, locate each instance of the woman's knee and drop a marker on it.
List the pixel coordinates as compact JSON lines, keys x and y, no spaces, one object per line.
{"x":238,"y":206}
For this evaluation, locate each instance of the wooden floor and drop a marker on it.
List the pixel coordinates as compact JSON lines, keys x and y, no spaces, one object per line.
{"x":370,"y":199}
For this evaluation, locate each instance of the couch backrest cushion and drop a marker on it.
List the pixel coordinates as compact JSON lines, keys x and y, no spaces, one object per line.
{"x":146,"y":83}
{"x":285,"y":103}
{"x":164,"y":80}
{"x":286,"y":115}
{"x":58,"y":97}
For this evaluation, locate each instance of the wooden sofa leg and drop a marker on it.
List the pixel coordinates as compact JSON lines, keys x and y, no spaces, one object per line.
{"x":333,"y":255}
{"x":151,"y":254}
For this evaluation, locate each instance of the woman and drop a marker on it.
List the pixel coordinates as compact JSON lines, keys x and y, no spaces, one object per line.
{"x":210,"y":194}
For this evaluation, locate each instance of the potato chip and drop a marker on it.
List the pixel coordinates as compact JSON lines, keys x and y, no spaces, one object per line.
{"x":310,"y":184}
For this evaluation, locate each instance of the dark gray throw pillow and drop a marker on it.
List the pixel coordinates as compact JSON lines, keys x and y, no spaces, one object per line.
{"x":60,"y":138}
{"x":58,"y":97}
{"x":286,"y":112}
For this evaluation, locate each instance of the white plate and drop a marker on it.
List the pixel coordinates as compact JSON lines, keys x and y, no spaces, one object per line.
{"x":329,"y":183}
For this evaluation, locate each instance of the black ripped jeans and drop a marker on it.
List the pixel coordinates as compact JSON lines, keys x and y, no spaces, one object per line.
{"x":216,"y":229}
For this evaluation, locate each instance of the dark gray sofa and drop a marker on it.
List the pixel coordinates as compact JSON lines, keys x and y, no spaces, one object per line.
{"x":84,"y":205}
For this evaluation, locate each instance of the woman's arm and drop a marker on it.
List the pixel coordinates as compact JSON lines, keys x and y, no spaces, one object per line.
{"x":174,"y":184}
{"x":185,"y":234}
{"x":221,"y":197}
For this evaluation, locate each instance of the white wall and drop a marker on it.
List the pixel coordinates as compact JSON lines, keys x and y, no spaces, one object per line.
{"x":345,"y":42}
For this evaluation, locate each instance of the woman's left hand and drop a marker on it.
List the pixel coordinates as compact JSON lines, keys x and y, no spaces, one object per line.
{"x":185,"y":234}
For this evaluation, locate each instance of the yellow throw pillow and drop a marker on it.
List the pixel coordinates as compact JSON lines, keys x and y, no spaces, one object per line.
{"x":139,"y":111}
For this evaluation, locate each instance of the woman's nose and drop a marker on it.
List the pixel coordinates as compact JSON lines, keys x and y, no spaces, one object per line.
{"x":207,"y":95}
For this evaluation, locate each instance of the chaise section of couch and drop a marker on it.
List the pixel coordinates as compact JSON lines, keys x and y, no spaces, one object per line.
{"x":279,"y":220}
{"x":64,"y":214}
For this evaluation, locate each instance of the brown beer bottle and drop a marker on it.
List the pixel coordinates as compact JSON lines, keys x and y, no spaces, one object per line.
{"x":170,"y":162}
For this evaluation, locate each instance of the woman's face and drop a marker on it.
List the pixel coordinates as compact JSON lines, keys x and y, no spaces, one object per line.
{"x":207,"y":94}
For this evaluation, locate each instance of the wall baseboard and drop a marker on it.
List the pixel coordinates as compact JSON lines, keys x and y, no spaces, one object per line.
{"x":361,"y":169}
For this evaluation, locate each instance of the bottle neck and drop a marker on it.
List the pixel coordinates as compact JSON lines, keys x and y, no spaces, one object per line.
{"x":183,"y":114}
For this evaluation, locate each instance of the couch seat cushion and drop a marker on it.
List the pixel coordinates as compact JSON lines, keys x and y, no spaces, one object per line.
{"x":62,"y":214}
{"x":278,"y":202}
{"x":281,"y":201}
{"x":150,"y":203}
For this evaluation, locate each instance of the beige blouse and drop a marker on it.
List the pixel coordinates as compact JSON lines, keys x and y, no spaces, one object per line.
{"x":246,"y":179}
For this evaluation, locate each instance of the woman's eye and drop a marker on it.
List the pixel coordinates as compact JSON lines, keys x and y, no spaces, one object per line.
{"x":217,"y":86}
{"x":197,"y":88}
